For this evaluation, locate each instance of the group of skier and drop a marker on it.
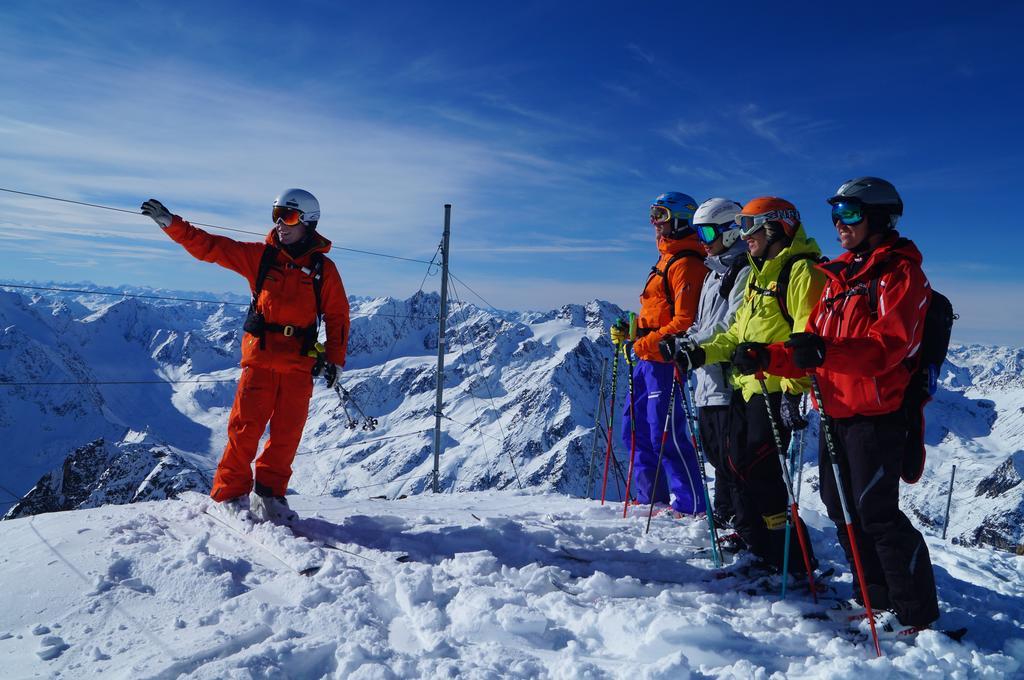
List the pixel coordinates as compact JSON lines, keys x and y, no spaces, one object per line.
{"x":757,"y":319}
{"x":740,"y":299}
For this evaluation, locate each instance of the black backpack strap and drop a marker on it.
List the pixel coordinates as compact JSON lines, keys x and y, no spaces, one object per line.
{"x":873,"y":295}
{"x":669,"y":297}
{"x":729,"y":279}
{"x":267,"y":260}
{"x":782,"y":283}
{"x":318,"y":282}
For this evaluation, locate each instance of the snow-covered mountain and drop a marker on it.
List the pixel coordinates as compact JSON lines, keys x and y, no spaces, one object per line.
{"x":520,"y":389}
{"x":519,"y":398}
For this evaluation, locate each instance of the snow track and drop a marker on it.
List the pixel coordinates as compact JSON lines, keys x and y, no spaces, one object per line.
{"x":497,"y":585}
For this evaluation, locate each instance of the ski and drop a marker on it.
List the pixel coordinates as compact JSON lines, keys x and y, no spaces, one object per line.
{"x":330,"y":544}
{"x":305,"y":570}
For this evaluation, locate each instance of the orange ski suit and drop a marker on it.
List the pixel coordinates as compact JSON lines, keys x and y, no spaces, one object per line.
{"x":685,"y":278}
{"x":276,"y":382}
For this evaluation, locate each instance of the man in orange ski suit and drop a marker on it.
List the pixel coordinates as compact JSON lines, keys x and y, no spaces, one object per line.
{"x":276,"y":381}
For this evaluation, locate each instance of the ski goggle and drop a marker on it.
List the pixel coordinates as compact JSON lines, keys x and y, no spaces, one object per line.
{"x":660,"y":214}
{"x":847,"y":213}
{"x":286,"y":216}
{"x":707,"y":233}
{"x":749,"y":224}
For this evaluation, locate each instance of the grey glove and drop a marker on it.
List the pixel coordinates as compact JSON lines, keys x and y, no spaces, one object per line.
{"x":155,"y":210}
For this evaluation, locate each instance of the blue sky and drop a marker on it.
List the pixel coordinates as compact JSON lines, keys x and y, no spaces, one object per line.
{"x":550,"y":127}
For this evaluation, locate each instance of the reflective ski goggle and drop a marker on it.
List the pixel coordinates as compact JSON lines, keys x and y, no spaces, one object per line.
{"x":848,"y":213}
{"x":286,"y":216}
{"x":749,"y":224}
{"x":707,"y":233}
{"x":660,"y":214}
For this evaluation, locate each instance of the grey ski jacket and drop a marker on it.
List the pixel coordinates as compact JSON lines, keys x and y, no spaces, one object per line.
{"x":715,"y":314}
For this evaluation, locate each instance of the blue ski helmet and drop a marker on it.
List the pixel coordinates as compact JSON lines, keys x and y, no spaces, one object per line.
{"x":681,"y":206}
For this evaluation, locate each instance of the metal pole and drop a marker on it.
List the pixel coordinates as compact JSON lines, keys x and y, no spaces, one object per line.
{"x":949,"y":499}
{"x":597,"y":426}
{"x":442,"y":318}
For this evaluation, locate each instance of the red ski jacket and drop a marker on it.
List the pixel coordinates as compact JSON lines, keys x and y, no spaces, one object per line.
{"x":287,"y":297}
{"x":868,"y":356}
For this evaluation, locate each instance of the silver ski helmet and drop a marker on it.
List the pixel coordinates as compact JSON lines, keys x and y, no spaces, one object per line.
{"x":299,"y":200}
{"x":677,"y":207}
{"x":717,"y":217}
{"x":876,"y":198}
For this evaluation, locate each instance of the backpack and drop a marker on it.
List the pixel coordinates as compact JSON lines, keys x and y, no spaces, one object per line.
{"x":782,"y":283}
{"x":924,"y":374}
{"x":924,"y":369}
{"x":669,"y":297}
{"x":256,"y":324}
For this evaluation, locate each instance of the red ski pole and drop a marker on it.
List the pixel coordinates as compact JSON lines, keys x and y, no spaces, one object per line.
{"x":793,"y":508}
{"x":632,"y":437}
{"x":830,"y":447}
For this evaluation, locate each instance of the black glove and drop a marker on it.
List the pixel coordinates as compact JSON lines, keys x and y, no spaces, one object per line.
{"x":667,"y":347}
{"x":689,"y":355}
{"x":671,"y":344}
{"x":750,"y":357}
{"x":155,"y":210}
{"x":331,"y":374}
{"x":808,"y":349}
{"x":789,"y":412}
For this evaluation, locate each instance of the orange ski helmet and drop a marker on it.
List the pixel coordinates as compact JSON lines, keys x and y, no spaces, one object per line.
{"x":766,"y":211}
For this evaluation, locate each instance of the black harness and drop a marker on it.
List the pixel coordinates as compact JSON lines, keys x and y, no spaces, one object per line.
{"x":257,"y":325}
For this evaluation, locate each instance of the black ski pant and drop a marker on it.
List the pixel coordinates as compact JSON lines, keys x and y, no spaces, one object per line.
{"x":759,"y":493}
{"x":714,"y":433}
{"x":897,"y":566}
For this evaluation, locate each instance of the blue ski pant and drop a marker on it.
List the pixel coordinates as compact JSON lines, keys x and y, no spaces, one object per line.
{"x":680,"y":475}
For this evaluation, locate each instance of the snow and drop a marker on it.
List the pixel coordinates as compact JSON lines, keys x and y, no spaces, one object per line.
{"x":497,"y":584}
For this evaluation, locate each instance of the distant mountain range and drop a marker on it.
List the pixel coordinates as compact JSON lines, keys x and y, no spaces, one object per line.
{"x":119,"y":399}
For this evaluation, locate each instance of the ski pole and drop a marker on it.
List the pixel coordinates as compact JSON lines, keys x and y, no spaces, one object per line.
{"x":346,"y":396}
{"x":632,"y":436}
{"x":689,"y":404}
{"x":597,"y":426}
{"x":661,"y":453}
{"x":794,"y":510}
{"x":949,"y":501}
{"x":798,"y":459}
{"x":800,"y":464}
{"x":796,"y":451}
{"x":785,"y":555}
{"x":611,"y":422}
{"x":833,"y":455}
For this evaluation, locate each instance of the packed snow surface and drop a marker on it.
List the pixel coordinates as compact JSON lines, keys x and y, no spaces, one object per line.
{"x":476,"y":584}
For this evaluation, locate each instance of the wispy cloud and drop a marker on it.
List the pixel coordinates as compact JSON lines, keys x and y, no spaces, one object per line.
{"x":640,"y":53}
{"x":786,"y":131}
{"x":684,"y":133}
{"x":624,"y":91}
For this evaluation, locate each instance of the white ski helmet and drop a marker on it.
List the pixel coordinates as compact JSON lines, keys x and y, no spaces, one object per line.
{"x":303,"y":201}
{"x":721,"y":214}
